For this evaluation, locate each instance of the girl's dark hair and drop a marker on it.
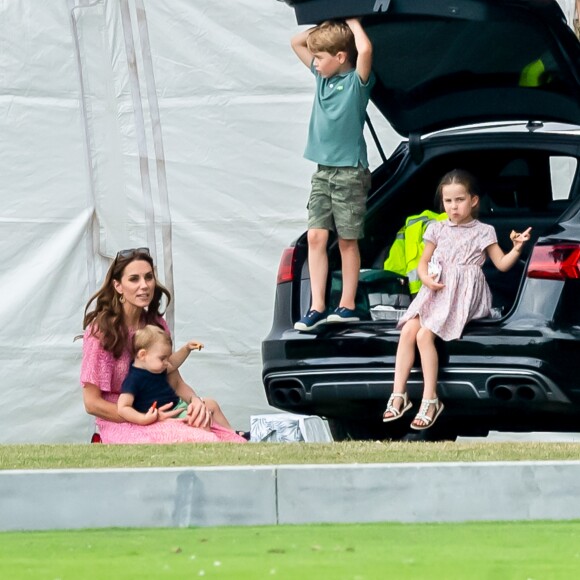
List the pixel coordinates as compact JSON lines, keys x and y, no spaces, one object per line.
{"x":106,"y":319}
{"x":461,"y":177}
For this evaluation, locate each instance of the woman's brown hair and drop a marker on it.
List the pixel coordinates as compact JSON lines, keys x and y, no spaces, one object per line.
{"x":106,"y":320}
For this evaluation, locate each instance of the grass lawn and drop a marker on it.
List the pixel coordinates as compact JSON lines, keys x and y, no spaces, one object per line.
{"x":102,"y":456}
{"x":489,"y":550}
{"x":535,"y":550}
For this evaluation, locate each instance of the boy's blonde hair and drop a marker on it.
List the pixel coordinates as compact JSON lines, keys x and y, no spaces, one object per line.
{"x":333,"y":37}
{"x":149,"y":335}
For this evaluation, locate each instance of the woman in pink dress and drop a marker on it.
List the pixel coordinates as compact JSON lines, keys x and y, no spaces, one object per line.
{"x":128,"y":300}
{"x":454,"y":291}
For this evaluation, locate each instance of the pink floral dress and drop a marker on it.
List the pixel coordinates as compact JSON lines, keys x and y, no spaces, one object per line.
{"x":460,"y":251}
{"x":102,"y":369}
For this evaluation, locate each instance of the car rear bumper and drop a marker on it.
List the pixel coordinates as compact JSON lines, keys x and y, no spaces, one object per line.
{"x":466,"y":384}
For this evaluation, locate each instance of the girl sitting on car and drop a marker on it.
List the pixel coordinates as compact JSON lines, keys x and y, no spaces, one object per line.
{"x":454,"y":291}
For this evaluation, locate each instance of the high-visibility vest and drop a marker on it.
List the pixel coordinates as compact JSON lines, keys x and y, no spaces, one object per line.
{"x":408,"y":246}
{"x":532,"y":73}
{"x":537,"y":73}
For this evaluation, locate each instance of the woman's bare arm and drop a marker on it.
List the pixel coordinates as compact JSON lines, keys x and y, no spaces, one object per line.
{"x":197,"y":413}
{"x":97,"y":406}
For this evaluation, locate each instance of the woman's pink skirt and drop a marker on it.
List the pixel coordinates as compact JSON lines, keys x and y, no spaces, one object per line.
{"x":168,"y":431}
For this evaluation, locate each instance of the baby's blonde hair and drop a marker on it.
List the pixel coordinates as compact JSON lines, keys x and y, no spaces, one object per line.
{"x":149,"y":335}
{"x":333,"y":37}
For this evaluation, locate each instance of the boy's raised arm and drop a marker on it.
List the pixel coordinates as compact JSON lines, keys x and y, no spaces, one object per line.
{"x":298,"y":44}
{"x":364,"y":48}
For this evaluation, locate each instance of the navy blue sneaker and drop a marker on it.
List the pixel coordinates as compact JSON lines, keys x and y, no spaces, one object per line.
{"x":343,"y":314}
{"x":310,"y":320}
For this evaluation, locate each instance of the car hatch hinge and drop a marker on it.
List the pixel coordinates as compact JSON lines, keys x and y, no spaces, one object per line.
{"x":381,"y":5}
{"x":415,"y":147}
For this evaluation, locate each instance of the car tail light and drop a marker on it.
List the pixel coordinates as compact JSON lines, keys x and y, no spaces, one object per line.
{"x":555,"y":262}
{"x":286,"y":267}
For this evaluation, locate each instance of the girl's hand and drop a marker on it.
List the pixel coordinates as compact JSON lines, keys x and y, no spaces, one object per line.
{"x":166,"y":412}
{"x":520,"y":239}
{"x":432,"y":284}
{"x":194,"y":345}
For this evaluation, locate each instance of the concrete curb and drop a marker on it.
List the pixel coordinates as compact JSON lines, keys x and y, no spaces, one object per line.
{"x":288,"y":494}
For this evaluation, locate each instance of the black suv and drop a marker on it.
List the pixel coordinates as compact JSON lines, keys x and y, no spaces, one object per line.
{"x":492,"y":87}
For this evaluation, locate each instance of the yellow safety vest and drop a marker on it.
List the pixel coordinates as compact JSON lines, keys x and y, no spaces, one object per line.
{"x":536,"y":73}
{"x":408,"y":246}
{"x":532,"y":73}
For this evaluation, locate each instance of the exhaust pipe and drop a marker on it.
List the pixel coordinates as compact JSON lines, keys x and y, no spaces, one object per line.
{"x":503,"y":393}
{"x":515,"y":389}
{"x":287,"y":392}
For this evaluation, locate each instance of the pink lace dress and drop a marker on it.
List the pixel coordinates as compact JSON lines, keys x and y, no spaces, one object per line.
{"x":100,"y":368}
{"x":460,"y":252}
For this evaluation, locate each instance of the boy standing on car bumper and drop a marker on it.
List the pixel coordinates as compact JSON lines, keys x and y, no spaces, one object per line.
{"x":340,"y":56}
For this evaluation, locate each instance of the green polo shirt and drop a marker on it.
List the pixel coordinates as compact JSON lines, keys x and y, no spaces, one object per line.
{"x":335,"y":134}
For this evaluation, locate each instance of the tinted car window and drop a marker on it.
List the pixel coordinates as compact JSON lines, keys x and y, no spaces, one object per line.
{"x":467,"y":53}
{"x":421,"y":60}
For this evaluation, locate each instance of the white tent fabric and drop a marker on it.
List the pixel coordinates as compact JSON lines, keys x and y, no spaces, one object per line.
{"x":179,"y":125}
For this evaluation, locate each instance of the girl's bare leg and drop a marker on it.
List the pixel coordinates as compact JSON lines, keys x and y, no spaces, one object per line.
{"x":404,"y":360}
{"x":430,"y":367}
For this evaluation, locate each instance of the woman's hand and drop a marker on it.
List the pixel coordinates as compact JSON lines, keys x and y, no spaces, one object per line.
{"x":198,"y":415}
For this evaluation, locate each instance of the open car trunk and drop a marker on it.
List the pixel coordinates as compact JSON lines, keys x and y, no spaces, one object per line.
{"x":445,"y":64}
{"x":520,"y":188}
{"x":491,"y":87}
{"x":440,"y":66}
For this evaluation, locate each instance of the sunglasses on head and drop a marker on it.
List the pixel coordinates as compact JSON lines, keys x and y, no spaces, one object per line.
{"x":132,"y":252}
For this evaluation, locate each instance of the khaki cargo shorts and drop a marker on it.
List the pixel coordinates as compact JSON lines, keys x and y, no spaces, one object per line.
{"x":338,"y":200}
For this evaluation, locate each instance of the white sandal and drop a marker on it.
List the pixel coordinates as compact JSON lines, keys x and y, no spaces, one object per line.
{"x":397,"y":413}
{"x":422,"y":414}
